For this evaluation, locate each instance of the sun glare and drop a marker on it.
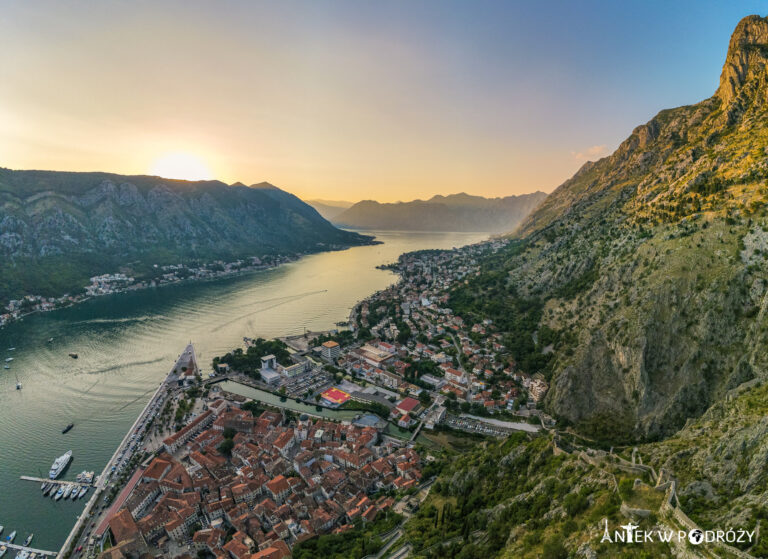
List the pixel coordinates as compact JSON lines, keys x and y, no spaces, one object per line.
{"x":180,"y":165}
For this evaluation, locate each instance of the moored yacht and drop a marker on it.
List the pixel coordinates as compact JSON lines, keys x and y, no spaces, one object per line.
{"x":60,"y":464}
{"x":11,"y":537}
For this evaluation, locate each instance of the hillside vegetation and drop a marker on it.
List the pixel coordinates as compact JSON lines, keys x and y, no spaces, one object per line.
{"x":57,"y":229}
{"x":646,"y":271}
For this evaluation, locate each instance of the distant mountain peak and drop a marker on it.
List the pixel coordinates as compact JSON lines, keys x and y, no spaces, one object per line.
{"x":745,"y":71}
{"x":265,"y":186}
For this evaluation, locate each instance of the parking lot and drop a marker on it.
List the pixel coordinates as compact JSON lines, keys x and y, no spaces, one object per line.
{"x":315,"y":380}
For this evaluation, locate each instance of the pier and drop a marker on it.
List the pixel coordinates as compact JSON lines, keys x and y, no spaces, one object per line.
{"x":29,"y":549}
{"x":57,"y":481}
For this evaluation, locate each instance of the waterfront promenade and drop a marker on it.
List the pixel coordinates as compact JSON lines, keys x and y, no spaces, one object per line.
{"x":78,"y":534}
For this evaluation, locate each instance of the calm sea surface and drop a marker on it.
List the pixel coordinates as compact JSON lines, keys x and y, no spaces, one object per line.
{"x":128,"y":342}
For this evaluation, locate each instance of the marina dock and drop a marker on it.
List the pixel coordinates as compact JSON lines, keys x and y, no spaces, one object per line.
{"x":29,"y":549}
{"x":57,"y":481}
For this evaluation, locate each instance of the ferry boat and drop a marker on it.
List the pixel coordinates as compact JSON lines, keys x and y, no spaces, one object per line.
{"x":67,"y":429}
{"x":11,"y":537}
{"x":28,"y":540}
{"x":60,"y":464}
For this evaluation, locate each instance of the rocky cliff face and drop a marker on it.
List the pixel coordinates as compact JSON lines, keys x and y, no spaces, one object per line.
{"x":112,"y":219}
{"x":648,"y":264}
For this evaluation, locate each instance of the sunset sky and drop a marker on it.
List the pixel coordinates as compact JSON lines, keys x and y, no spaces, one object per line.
{"x":348,"y":99}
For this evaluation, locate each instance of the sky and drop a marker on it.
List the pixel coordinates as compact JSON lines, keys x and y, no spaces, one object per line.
{"x":349,"y":99}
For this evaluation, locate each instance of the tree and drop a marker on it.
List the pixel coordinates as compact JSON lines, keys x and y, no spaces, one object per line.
{"x":226,"y":447}
{"x":229,"y":433}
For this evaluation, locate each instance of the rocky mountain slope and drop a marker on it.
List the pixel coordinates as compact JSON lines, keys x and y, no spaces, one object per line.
{"x":649,"y":265}
{"x":57,"y":229}
{"x":329,"y":209}
{"x":457,"y":212}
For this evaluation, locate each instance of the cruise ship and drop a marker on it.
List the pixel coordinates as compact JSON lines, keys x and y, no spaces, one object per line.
{"x":59,"y":464}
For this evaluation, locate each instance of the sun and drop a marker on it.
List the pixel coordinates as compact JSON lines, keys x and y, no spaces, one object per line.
{"x":181,"y":165}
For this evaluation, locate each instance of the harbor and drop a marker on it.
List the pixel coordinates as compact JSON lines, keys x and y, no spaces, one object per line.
{"x":126,"y":344}
{"x":186,"y":359}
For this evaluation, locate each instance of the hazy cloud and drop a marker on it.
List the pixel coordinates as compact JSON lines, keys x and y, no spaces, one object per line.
{"x":591,"y":153}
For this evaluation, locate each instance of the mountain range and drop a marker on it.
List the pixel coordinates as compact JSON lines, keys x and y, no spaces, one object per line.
{"x":456,"y":212}
{"x":58,"y":228}
{"x":639,"y":288}
{"x":329,"y":209}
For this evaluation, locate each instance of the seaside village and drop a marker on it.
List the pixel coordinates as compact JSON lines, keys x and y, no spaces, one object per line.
{"x":244,"y":481}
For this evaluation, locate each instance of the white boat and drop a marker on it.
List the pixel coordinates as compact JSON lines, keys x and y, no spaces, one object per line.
{"x":11,"y":537}
{"x":1,"y":528}
{"x":3,"y":549}
{"x":28,"y":540}
{"x":67,"y":491}
{"x":59,"y":494}
{"x":75,"y":490}
{"x":60,"y":464}
{"x":83,"y":491}
{"x":8,"y":359}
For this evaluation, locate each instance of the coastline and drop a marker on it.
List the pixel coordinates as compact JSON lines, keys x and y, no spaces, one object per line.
{"x":73,"y":300}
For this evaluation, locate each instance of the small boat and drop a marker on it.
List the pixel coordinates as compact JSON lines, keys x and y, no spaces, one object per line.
{"x":67,"y":491}
{"x":3,"y":549}
{"x":48,"y":489}
{"x":11,"y":349}
{"x":83,"y":491}
{"x":1,"y":528}
{"x":50,"y":340}
{"x":73,"y":355}
{"x":67,"y":429}
{"x":73,"y":495}
{"x":28,"y":540}
{"x":6,"y":366}
{"x":11,"y":537}
{"x":8,"y":359}
{"x":59,"y":494}
{"x":23,"y":554}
